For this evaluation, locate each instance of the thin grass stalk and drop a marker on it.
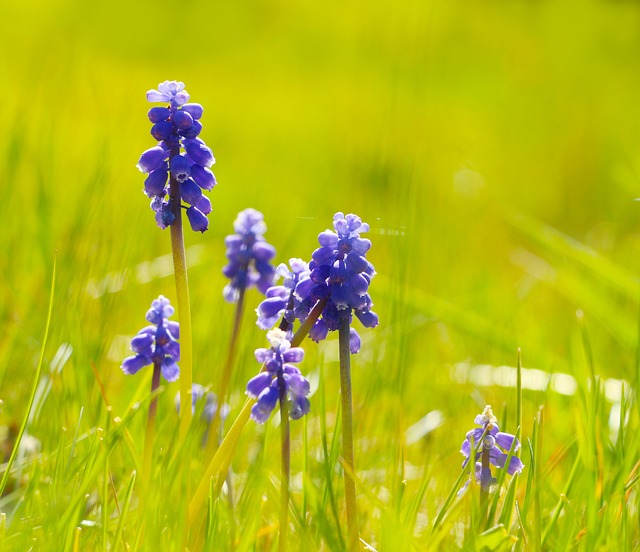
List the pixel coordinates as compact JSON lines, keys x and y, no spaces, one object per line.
{"x":561,"y":501}
{"x":347,"y":435}
{"x":184,"y":307}
{"x":227,"y":370}
{"x":76,"y":539}
{"x":147,"y":455}
{"x":23,"y":426}
{"x":519,"y":394}
{"x":285,"y":466}
{"x":485,"y":484}
{"x":123,"y":514}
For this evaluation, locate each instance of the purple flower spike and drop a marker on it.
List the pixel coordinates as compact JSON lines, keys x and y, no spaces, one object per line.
{"x":278,"y":363}
{"x":495,"y":444}
{"x":179,"y":153}
{"x":156,"y":344}
{"x":249,"y":256}
{"x":340,"y":273}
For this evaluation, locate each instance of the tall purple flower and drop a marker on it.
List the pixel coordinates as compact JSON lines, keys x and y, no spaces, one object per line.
{"x":281,"y":300}
{"x":278,"y":363}
{"x":249,"y":256}
{"x":495,"y":443}
{"x":156,"y":344}
{"x":179,"y":153}
{"x":341,"y":274}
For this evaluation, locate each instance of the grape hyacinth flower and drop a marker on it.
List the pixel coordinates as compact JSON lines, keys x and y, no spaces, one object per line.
{"x":249,"y":256}
{"x":493,"y":451}
{"x":281,"y":300}
{"x":265,"y":387}
{"x":156,"y":344}
{"x":180,"y":154}
{"x":199,"y":394}
{"x":340,"y":274}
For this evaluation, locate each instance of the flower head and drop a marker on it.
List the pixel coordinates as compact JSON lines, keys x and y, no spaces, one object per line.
{"x":180,"y":154}
{"x":278,"y":367}
{"x":249,"y":256}
{"x":341,"y":274}
{"x":494,"y":443}
{"x":156,"y":344}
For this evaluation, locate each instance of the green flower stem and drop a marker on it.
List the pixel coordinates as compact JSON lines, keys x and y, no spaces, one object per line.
{"x":347,"y":436}
{"x":184,"y":308}
{"x":222,"y":457}
{"x":227,"y":370}
{"x":485,"y":486}
{"x":285,"y":465}
{"x":151,"y":425}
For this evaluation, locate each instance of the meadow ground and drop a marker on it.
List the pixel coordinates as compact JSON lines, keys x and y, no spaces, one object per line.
{"x":494,"y":150}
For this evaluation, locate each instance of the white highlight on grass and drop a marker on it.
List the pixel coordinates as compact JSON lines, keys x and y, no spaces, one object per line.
{"x":485,"y":375}
{"x":142,"y":273}
{"x":423,"y":427}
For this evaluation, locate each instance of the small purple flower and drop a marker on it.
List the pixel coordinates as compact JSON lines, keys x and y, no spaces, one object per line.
{"x":495,"y":443}
{"x":249,"y":256}
{"x":198,"y":394}
{"x":341,"y":274}
{"x":278,"y":364}
{"x":180,"y":155}
{"x":280,"y":300}
{"x":156,"y":344}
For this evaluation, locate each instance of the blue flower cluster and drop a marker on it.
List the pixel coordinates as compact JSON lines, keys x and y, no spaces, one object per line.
{"x":341,"y":274}
{"x":497,"y":443}
{"x":156,"y":344}
{"x":249,"y":256}
{"x":177,"y":127}
{"x":277,"y":364}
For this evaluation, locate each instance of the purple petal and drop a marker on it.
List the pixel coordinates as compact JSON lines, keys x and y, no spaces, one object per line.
{"x":152,"y":159}
{"x":198,"y":220}
{"x":505,"y":440}
{"x":258,"y":384}
{"x":170,"y":370}
{"x":328,"y":239}
{"x":193,"y":109}
{"x":354,"y":341}
{"x":132,"y":364}
{"x":203,"y":177}
{"x":295,"y":354}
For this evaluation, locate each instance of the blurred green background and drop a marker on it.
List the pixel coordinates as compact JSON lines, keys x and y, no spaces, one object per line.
{"x":492,"y":146}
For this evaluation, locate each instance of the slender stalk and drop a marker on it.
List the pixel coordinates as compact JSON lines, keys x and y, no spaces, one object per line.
{"x":227,"y":370}
{"x":285,"y":465}
{"x":25,"y":419}
{"x":184,"y":308}
{"x":151,"y":425}
{"x":485,"y":482}
{"x":519,"y":394}
{"x":347,"y":435}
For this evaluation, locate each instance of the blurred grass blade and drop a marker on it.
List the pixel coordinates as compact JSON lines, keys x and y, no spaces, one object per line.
{"x":125,"y":511}
{"x":34,"y":386}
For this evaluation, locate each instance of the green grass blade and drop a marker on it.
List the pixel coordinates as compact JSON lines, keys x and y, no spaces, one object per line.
{"x":36,"y":379}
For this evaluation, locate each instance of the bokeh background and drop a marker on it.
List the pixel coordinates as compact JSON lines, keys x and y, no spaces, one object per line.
{"x":492,"y":146}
